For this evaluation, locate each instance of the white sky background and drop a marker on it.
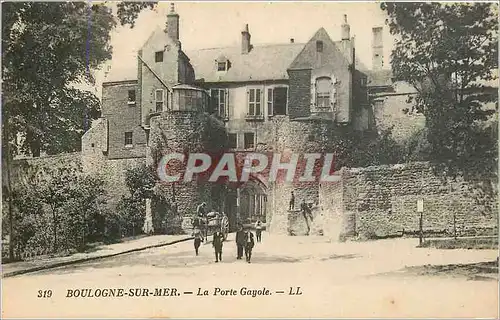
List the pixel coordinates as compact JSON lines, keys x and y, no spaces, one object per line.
{"x":219,"y":24}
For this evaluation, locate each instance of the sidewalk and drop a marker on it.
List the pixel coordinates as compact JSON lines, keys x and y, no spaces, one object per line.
{"x":103,"y":251}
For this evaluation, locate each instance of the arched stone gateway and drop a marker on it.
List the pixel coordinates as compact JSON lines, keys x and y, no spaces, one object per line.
{"x":253,"y":201}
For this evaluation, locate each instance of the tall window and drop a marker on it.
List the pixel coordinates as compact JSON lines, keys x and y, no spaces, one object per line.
{"x":159,"y":56}
{"x":270,"y":104}
{"x":131,"y":97}
{"x":233,"y":140}
{"x":319,"y":46}
{"x":159,"y":100}
{"x":254,"y":102}
{"x":323,"y":92}
{"x":277,"y":101}
{"x":219,"y":102}
{"x":249,"y":140}
{"x":128,"y":139}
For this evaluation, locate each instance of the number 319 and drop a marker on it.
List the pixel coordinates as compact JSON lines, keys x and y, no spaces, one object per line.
{"x":44,"y":294}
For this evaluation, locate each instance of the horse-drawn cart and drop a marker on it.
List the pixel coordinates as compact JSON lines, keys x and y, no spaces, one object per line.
{"x":211,"y":222}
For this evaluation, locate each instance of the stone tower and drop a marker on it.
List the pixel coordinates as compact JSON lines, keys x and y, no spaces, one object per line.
{"x":377,"y":49}
{"x":185,"y":128}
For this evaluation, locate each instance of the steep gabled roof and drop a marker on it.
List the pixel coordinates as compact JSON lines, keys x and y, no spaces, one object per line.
{"x":308,"y":55}
{"x":264,"y":62}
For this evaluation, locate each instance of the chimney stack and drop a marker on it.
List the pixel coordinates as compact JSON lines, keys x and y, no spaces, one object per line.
{"x":245,"y":40}
{"x":173,"y":24}
{"x":346,"y":29}
{"x":377,"y":49}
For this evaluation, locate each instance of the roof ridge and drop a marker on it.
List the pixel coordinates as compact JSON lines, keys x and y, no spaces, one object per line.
{"x":254,"y":45}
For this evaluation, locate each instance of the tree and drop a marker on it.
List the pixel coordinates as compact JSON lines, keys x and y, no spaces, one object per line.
{"x":47,"y":49}
{"x":449,"y":52}
{"x":63,"y":211}
{"x":131,"y":209}
{"x":128,"y":12}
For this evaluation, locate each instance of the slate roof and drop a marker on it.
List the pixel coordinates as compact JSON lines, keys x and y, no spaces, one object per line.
{"x":263,"y":62}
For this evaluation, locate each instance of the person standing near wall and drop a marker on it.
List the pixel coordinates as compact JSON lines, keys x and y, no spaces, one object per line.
{"x":292,"y":202}
{"x":258,"y":230}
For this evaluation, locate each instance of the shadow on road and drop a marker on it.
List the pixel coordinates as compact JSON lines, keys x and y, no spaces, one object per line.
{"x":472,"y":271}
{"x":341,"y":256}
{"x":177,"y":259}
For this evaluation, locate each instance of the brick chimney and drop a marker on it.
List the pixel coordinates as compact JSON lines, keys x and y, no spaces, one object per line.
{"x":173,"y":24}
{"x":377,"y":49}
{"x":346,"y":29}
{"x":245,"y":40}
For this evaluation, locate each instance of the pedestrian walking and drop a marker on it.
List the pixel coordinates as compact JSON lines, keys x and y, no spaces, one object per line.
{"x":249,"y":243}
{"x":240,"y":242}
{"x":201,"y":210}
{"x":217,"y":243}
{"x":306,"y":210}
{"x":198,"y":239}
{"x":201,"y":217}
{"x":258,"y":230}
{"x":292,"y":202}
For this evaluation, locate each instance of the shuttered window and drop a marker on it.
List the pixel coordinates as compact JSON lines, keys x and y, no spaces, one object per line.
{"x":277,"y":101}
{"x":254,"y":102}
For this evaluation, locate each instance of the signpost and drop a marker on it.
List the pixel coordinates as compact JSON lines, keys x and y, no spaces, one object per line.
{"x":420,"y":209}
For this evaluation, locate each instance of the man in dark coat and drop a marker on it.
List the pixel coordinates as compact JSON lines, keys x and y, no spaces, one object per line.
{"x":249,"y":243}
{"x":240,"y":242}
{"x":217,"y":245}
{"x":198,"y":239}
{"x":292,"y":202}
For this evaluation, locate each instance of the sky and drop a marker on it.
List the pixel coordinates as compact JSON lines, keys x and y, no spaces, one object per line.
{"x":219,"y":24}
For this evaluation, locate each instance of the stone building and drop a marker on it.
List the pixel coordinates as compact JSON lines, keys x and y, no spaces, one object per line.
{"x":289,"y":97}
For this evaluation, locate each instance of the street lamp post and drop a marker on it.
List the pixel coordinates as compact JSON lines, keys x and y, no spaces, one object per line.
{"x":420,"y":209}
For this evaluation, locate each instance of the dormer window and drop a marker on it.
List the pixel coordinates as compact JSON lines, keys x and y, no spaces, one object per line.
{"x":319,"y":46}
{"x":222,"y":63}
{"x":221,"y":66}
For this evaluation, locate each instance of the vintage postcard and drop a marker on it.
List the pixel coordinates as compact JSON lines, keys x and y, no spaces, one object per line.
{"x":249,"y":159}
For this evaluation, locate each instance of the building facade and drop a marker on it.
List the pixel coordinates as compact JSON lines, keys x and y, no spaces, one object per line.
{"x":283,"y":97}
